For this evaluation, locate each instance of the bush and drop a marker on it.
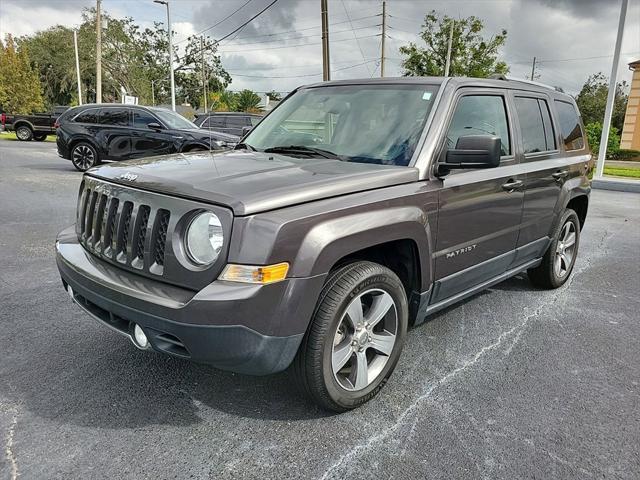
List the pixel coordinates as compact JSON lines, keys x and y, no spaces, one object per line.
{"x":594,"y":132}
{"x":628,"y":155}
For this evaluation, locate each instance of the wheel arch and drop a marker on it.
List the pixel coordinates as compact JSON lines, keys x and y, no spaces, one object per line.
{"x":23,"y":123}
{"x":579,"y":203}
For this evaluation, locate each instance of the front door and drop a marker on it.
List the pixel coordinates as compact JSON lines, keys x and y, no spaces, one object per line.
{"x":146,"y":141}
{"x":479,"y":210}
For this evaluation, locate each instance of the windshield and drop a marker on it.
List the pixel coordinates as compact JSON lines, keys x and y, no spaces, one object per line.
{"x":173,"y":120}
{"x":357,"y":123}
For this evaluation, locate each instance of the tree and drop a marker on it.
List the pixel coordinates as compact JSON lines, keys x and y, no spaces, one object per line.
{"x":223,"y":101}
{"x":20,"y":86}
{"x":592,"y":101}
{"x":594,"y":132}
{"x":471,"y":54}
{"x":248,"y":101}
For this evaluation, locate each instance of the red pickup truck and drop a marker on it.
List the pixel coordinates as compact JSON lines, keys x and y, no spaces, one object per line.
{"x":32,"y":127}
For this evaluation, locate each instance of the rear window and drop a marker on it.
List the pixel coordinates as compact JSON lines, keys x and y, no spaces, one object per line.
{"x":569,"y":126}
{"x":114,"y":116}
{"x":236,"y":121}
{"x":535,"y":124}
{"x":88,"y":116}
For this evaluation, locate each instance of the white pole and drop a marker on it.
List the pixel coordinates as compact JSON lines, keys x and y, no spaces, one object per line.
{"x":173,"y":84}
{"x":98,"y":53}
{"x":604,"y":139}
{"x":75,"y":44}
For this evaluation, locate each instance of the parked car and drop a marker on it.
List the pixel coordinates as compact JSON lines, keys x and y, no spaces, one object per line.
{"x":92,"y":133}
{"x":233,"y":123}
{"x":33,"y":127}
{"x":321,"y":249}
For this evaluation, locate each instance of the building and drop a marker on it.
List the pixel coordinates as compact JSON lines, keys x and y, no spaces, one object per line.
{"x":630,"y":139}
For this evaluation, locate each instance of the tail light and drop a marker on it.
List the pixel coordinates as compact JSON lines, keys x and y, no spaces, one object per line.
{"x":56,"y":124}
{"x":3,"y":118}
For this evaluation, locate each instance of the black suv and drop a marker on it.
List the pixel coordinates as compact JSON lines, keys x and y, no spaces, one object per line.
{"x":228,"y":122}
{"x":354,"y":210}
{"x":88,"y":134}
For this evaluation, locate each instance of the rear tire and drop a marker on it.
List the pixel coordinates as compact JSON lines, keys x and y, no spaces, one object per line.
{"x":24,"y":133}
{"x":84,"y":156}
{"x":40,"y":137}
{"x":557,"y":263}
{"x":355,"y":337}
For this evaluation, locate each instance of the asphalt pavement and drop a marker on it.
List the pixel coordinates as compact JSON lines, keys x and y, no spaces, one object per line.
{"x":515,"y":382}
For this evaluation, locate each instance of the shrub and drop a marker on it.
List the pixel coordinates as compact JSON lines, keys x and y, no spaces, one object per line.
{"x":628,"y":155}
{"x":594,"y":132}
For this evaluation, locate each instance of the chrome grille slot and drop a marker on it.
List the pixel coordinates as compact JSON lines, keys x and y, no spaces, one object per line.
{"x":99,"y":222}
{"x":83,"y":210}
{"x":89,"y":216}
{"x":160,"y":229}
{"x":123,"y":232}
{"x":110,"y":234}
{"x":139,"y":236}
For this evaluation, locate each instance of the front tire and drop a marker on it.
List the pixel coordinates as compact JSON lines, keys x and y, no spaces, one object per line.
{"x":355,"y":338}
{"x":557,"y":263}
{"x":24,"y":133}
{"x":84,"y":156}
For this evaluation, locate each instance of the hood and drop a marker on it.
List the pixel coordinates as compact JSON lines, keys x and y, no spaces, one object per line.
{"x":252,"y":182}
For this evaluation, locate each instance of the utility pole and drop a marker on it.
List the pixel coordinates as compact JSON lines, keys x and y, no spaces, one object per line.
{"x":204,"y":75}
{"x":75,"y":45}
{"x":326,"y":68}
{"x":533,"y":70}
{"x":173,"y":84}
{"x":447,"y":65}
{"x":384,"y":34}
{"x":98,"y":53}
{"x":604,"y":139}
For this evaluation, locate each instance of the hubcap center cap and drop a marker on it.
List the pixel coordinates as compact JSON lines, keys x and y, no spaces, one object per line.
{"x":361,"y":337}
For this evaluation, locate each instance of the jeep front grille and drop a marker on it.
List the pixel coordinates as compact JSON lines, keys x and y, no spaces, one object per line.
{"x":140,"y":231}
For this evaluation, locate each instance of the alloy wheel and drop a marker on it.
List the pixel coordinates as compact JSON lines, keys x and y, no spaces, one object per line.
{"x":565,"y":250}
{"x":364,"y":339}
{"x":83,"y":157}
{"x":23,"y":133}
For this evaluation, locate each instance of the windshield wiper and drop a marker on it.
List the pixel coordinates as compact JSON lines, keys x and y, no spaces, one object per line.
{"x":303,"y":150}
{"x":244,"y":146}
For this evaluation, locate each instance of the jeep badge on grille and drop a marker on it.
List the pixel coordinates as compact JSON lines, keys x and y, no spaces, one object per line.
{"x":130,"y":177}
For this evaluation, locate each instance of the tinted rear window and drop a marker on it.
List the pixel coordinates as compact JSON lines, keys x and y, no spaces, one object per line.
{"x":535,"y":124}
{"x":114,"y":116}
{"x":236,"y":121}
{"x":569,"y":126}
{"x":88,"y":116}
{"x":142,"y":119}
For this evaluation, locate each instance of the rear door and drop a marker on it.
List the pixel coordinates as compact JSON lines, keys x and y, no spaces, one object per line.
{"x":115,"y":132}
{"x":145,"y":141}
{"x":479,"y":210}
{"x":545,"y":172}
{"x":235,"y":124}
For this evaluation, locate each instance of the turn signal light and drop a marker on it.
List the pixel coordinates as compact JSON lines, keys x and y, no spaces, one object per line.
{"x":255,"y":274}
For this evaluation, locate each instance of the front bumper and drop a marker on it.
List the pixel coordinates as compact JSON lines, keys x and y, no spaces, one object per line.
{"x":252,"y":329}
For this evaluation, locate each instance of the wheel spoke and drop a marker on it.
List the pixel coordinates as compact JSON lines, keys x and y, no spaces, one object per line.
{"x":341,"y":356}
{"x":354,"y":312}
{"x":570,"y":240}
{"x":565,"y":231}
{"x":383,"y":342}
{"x":361,"y":370}
{"x":381,"y":305}
{"x":557,"y":265}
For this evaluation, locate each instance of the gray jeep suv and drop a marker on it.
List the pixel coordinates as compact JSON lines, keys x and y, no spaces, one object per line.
{"x":354,"y":210}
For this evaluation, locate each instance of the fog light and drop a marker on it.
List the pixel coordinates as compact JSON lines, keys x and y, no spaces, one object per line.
{"x":139,"y":338}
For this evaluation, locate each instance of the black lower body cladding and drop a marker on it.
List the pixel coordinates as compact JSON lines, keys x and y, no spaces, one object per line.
{"x":251,"y":329}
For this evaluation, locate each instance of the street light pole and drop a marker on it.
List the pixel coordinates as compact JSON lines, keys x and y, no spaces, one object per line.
{"x":98,"y":53}
{"x":173,"y":85}
{"x":75,"y":44}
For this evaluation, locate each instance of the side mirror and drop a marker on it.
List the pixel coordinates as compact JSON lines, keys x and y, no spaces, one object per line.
{"x":472,"y":151}
{"x":246,"y":130}
{"x":154,"y":126}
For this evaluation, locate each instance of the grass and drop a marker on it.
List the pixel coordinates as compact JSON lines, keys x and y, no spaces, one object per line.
{"x":622,"y":172}
{"x":11,"y":136}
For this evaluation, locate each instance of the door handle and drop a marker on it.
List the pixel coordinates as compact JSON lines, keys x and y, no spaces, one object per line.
{"x":560,"y":174}
{"x":512,"y":185}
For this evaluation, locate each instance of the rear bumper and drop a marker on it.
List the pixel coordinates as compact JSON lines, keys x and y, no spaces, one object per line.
{"x":252,"y":329}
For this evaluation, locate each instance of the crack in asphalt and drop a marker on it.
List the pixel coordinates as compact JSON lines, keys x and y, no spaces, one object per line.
{"x":9,"y":445}
{"x":517,"y":329}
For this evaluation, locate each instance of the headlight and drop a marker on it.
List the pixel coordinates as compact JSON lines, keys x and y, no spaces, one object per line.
{"x":219,"y":143}
{"x":204,"y":238}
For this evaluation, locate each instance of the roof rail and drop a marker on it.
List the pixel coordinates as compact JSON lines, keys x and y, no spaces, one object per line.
{"x":500,"y":76}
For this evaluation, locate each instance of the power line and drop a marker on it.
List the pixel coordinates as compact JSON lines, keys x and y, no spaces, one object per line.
{"x":224,"y":19}
{"x":355,"y":36}
{"x":248,"y":21}
{"x":307,"y":74}
{"x":296,"y":45}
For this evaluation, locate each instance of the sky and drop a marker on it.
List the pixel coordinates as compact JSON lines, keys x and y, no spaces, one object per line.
{"x":281,"y":49}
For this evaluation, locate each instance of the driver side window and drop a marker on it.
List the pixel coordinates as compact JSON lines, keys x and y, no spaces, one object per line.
{"x":480,"y":115}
